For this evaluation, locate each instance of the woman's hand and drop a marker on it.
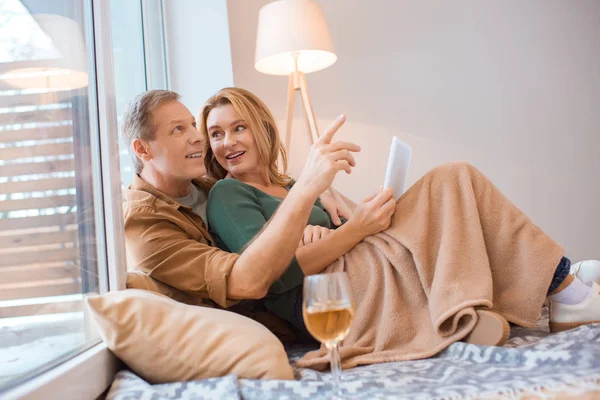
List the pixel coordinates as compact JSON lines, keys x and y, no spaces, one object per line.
{"x":312,"y":233}
{"x":374,"y":214}
{"x":334,"y":208}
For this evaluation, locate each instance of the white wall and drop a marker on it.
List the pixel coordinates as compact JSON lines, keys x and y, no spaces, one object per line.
{"x":198,"y":52}
{"x":510,"y":86}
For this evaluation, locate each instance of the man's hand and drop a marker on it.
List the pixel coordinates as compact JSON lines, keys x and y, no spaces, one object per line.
{"x":374,"y":214}
{"x":312,"y":233}
{"x":334,"y":208}
{"x":325,"y":160}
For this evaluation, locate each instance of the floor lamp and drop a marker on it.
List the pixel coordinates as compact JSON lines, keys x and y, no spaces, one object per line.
{"x":293,"y":39}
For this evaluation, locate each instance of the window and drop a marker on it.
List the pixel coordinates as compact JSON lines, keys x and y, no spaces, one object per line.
{"x":139,"y":60}
{"x":52,"y":206}
{"x":68,"y":68}
{"x":130,"y":77}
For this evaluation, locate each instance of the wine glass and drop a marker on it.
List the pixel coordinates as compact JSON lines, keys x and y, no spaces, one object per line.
{"x":328,"y":309}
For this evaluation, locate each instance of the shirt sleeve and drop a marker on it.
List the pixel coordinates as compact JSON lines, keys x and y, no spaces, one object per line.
{"x":235,"y":217}
{"x":159,"y":247}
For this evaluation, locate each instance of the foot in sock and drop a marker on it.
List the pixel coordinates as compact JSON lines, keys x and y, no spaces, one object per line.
{"x":587,"y":271}
{"x":573,"y":304}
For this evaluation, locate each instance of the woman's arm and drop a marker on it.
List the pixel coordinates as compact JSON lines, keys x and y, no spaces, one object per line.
{"x":315,"y":256}
{"x":371,"y":216}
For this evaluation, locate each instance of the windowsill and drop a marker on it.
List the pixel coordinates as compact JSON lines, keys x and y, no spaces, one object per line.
{"x":28,"y":343}
{"x":85,"y":376}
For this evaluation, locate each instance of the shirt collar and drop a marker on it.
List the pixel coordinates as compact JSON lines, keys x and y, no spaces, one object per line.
{"x":140,"y":184}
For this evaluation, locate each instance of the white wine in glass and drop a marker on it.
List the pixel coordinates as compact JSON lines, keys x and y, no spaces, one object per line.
{"x":328,"y":310}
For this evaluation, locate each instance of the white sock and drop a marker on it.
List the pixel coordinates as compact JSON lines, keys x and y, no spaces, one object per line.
{"x":575,"y":293}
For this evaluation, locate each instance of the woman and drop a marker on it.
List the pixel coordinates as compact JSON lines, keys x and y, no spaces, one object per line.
{"x":450,"y":247}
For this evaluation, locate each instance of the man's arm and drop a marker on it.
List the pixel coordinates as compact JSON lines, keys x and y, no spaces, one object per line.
{"x":266,"y":258}
{"x":270,"y":253}
{"x":236,"y":218}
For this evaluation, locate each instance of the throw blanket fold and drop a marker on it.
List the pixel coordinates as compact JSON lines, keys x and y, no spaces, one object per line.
{"x":455,"y":243}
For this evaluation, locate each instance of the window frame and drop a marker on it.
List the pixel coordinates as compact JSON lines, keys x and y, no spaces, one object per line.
{"x":110,"y":169}
{"x":155,"y":45}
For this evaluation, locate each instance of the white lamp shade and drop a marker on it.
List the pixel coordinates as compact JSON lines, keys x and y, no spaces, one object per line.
{"x":286,"y":27}
{"x":65,"y":70}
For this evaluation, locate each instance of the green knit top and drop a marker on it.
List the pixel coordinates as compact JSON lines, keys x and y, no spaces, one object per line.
{"x":237,"y":212}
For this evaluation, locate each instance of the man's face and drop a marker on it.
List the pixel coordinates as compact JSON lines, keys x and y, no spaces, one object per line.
{"x":176,"y":150}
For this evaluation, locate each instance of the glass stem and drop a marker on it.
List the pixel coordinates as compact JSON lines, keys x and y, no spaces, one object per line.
{"x":336,"y":367}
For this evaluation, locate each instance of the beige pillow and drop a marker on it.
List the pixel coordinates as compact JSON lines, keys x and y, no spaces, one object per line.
{"x":137,"y":279}
{"x":162,"y":340}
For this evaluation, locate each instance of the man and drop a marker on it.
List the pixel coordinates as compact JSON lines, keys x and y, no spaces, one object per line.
{"x":165,"y":234}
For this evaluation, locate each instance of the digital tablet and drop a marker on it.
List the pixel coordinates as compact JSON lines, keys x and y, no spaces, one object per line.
{"x":396,"y":172}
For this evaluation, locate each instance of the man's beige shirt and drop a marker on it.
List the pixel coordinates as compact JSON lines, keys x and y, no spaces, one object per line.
{"x":170,"y":243}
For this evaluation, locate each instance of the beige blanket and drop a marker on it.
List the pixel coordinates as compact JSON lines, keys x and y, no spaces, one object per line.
{"x":455,"y":243}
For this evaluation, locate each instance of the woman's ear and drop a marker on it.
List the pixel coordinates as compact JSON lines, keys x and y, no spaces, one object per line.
{"x":142,"y":150}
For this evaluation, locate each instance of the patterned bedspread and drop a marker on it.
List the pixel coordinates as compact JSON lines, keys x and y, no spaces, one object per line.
{"x":532,"y":363}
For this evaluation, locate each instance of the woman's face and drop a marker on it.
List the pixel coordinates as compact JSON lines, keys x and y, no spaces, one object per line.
{"x":232,"y":141}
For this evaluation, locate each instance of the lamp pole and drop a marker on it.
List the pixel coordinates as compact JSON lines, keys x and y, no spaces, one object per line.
{"x":298,"y":82}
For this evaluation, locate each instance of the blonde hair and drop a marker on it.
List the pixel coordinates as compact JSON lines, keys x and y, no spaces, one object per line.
{"x":261,"y":124}
{"x":137,"y":119}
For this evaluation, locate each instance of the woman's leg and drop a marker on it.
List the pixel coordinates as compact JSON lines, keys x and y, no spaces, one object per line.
{"x":472,"y":215}
{"x":469,"y":241}
{"x":560,"y":274}
{"x":455,"y":245}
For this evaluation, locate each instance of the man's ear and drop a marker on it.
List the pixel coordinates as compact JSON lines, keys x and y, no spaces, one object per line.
{"x":142,"y":150}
